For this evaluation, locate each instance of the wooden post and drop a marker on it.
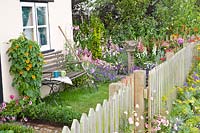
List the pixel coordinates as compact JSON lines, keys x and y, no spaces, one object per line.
{"x":130,"y":59}
{"x":169,"y":55}
{"x":139,"y":86}
{"x":130,"y":50}
{"x":114,"y":87}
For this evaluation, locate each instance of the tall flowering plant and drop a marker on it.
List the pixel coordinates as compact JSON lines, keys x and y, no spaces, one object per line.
{"x":26,"y":66}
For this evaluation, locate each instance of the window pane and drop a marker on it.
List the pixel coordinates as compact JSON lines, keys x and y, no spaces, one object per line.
{"x":29,"y":33}
{"x":27,"y":16}
{"x":42,"y":36}
{"x":41,"y":14}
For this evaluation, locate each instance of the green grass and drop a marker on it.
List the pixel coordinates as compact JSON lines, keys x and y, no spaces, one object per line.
{"x":79,"y":99}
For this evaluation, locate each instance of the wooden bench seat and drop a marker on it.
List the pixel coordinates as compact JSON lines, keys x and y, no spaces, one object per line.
{"x":55,"y":61}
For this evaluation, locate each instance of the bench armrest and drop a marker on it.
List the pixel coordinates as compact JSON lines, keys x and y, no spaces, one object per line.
{"x":49,"y":74}
{"x":74,"y":62}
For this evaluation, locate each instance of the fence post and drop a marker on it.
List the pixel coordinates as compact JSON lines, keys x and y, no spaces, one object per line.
{"x":139,"y":86}
{"x":114,"y":87}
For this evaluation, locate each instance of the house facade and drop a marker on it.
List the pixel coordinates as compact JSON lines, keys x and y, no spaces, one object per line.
{"x":38,"y":20}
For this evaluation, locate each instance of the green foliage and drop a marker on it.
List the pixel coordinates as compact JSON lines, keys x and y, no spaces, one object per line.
{"x":186,"y":109}
{"x":127,"y":19}
{"x":126,"y":124}
{"x":26,"y":66}
{"x":14,"y":128}
{"x":16,"y":109}
{"x":91,"y":35}
{"x":178,"y":16}
{"x":48,"y":113}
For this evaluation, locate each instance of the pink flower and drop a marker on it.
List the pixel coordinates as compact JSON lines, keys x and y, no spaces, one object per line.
{"x":76,"y":27}
{"x":146,"y":125}
{"x":3,"y":119}
{"x":30,"y":103}
{"x":140,"y":47}
{"x":13,"y":118}
{"x":3,"y":105}
{"x":130,"y":120}
{"x":158,"y":128}
{"x":12,"y":97}
{"x":17,"y":102}
{"x":165,"y":44}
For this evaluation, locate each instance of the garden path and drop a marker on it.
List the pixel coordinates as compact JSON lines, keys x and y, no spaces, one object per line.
{"x":43,"y":128}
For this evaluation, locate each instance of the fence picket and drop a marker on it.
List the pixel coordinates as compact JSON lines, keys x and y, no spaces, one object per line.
{"x":111,"y":121}
{"x":84,"y":123}
{"x":106,"y":115}
{"x":92,"y":121}
{"x":116,"y":112}
{"x":162,"y":79}
{"x":99,"y":116}
{"x":75,"y":126}
{"x":167,"y":75}
{"x":65,"y":130}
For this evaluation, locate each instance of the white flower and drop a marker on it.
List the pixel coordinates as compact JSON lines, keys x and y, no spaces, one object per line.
{"x":175,"y":127}
{"x":130,"y":120}
{"x":135,"y":114}
{"x":137,"y":124}
{"x":125,"y":112}
{"x":137,"y":106}
{"x":151,"y":98}
{"x":141,"y":117}
{"x":137,"y":118}
{"x":167,"y":112}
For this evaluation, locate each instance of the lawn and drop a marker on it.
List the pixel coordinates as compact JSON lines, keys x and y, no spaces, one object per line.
{"x":79,"y":99}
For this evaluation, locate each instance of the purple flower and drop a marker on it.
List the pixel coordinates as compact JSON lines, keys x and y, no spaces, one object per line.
{"x":92,"y":70}
{"x":180,"y":40}
{"x":193,"y":86}
{"x":195,"y":77}
{"x":12,"y":97}
{"x":185,"y":84}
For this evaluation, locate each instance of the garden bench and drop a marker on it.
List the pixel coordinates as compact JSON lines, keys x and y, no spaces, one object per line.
{"x":55,"y":61}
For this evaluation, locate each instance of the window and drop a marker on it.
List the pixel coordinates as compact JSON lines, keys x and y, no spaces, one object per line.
{"x":35,"y":23}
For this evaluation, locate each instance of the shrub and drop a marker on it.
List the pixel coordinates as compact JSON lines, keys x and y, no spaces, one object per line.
{"x":16,"y":109}
{"x":14,"y":128}
{"x":91,"y":35}
{"x":26,"y":66}
{"x":59,"y":114}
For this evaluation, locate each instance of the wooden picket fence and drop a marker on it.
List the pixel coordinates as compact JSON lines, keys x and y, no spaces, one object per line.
{"x":106,"y":118}
{"x":164,"y":77}
{"x":125,"y":94}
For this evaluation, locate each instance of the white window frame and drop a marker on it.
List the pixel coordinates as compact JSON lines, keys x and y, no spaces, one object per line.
{"x":35,"y":26}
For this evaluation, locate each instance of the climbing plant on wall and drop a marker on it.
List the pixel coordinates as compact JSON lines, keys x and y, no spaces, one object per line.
{"x":26,"y":66}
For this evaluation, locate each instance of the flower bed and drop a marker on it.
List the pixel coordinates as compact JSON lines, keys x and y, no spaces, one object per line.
{"x":185,"y":113}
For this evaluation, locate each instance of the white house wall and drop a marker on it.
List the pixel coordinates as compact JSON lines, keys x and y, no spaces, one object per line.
{"x":62,"y":16}
{"x":11,"y":27}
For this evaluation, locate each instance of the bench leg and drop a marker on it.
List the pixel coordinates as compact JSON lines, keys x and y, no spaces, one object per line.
{"x":54,"y":88}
